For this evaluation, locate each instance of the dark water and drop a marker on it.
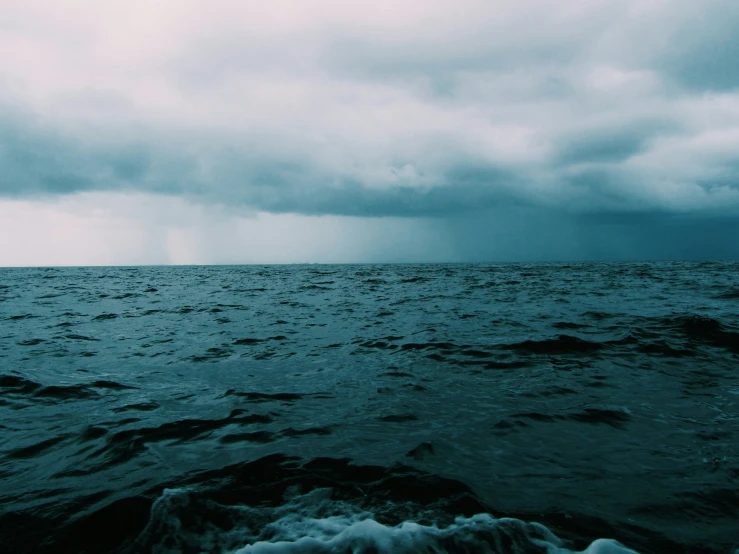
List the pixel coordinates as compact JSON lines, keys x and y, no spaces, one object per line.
{"x":370,"y":408}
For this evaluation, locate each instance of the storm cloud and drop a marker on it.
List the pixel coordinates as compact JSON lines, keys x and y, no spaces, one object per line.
{"x":568,"y":129}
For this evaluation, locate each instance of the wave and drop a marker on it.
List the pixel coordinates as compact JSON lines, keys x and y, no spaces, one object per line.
{"x":564,"y":344}
{"x":707,"y":330}
{"x":315,"y":523}
{"x":16,"y":386}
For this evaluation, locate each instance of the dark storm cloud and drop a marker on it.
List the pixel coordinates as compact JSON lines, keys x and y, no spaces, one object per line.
{"x":612,"y":142}
{"x":470,"y":193}
{"x":39,"y":158}
{"x":584,"y":172}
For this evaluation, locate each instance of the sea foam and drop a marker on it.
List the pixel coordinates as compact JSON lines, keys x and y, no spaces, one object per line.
{"x":481,"y":533}
{"x":314,"y":523}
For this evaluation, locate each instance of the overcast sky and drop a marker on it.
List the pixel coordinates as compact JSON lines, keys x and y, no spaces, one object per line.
{"x":240,"y":131}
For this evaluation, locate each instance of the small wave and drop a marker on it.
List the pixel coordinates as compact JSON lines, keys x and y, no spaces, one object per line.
{"x":427,"y":345}
{"x":568,"y":325}
{"x":375,"y":281}
{"x":254,"y":436}
{"x":506,"y":365}
{"x":599,"y":316}
{"x":126,"y":445}
{"x":105,"y":316}
{"x":661,"y":347}
{"x":66,"y":392}
{"x":30,"y":342}
{"x":615,"y":418}
{"x":732,"y":294}
{"x":564,"y":344}
{"x":292,"y":432}
{"x":250,"y":341}
{"x":416,"y":279}
{"x":126,"y":295}
{"x":21,"y":317}
{"x":81,"y":337}
{"x":13,"y":384}
{"x":421,"y":451}
{"x":140,"y":407}
{"x":212,"y":354}
{"x":315,"y":287}
{"x":395,"y":374}
{"x":112,"y":385}
{"x":398,"y":418}
{"x":264,"y":397}
{"x":698,"y":326}
{"x":34,"y":450}
{"x":379,"y":344}
{"x":16,"y":384}
{"x":706,"y":330}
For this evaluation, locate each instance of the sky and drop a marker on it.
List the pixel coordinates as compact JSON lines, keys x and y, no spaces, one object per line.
{"x":293,"y":131}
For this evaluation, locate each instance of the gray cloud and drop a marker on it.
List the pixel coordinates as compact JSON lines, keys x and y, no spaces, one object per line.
{"x":585,"y":171}
{"x":612,"y":142}
{"x":703,"y":52}
{"x":41,"y":159}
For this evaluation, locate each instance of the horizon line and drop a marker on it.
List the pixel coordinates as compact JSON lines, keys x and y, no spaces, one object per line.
{"x":474,"y":262}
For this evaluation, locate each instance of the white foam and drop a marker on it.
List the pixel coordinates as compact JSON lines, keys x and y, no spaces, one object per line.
{"x":607,"y":546}
{"x":481,"y":533}
{"x":313,"y":523}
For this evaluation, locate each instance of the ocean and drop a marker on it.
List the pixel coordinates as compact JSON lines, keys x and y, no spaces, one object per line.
{"x":507,"y":408}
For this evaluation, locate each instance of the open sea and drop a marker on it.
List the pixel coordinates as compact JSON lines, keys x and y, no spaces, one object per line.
{"x":374,"y":409}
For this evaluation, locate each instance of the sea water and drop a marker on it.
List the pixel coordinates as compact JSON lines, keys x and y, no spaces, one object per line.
{"x":370,"y":408}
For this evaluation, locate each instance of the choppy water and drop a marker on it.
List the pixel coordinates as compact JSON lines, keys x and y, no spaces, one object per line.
{"x":392,"y":408}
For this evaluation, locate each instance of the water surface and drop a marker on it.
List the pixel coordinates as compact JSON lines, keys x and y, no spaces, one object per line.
{"x":218,"y":409}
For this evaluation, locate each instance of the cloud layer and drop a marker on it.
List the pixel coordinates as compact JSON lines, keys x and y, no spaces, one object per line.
{"x":573,"y":112}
